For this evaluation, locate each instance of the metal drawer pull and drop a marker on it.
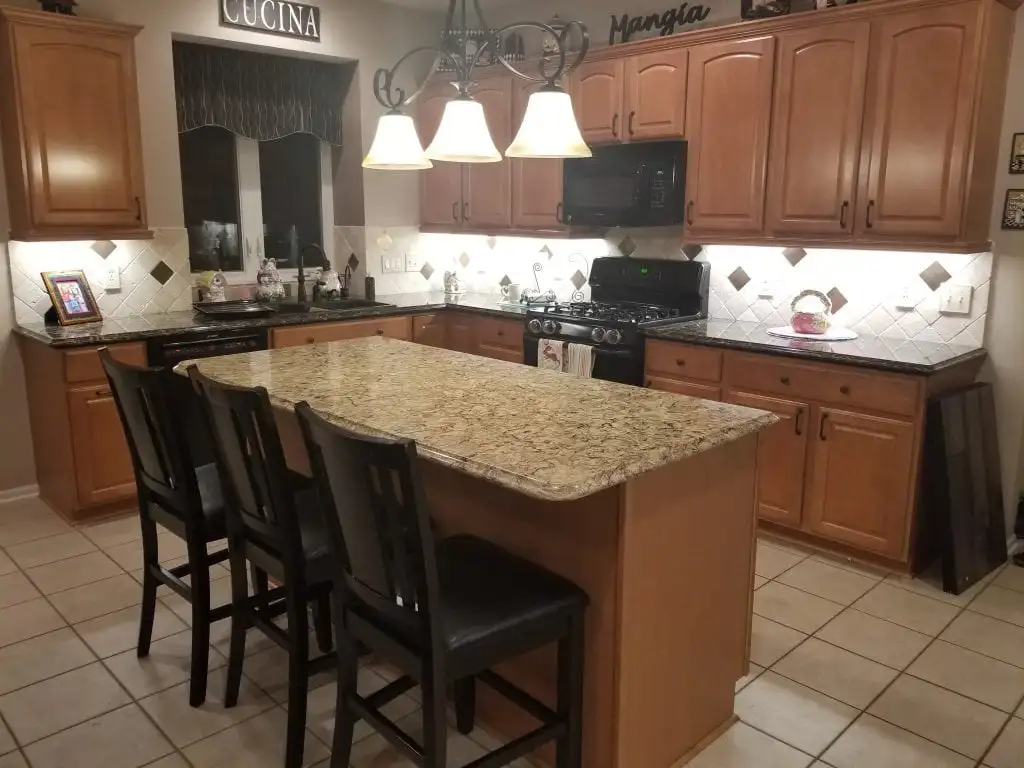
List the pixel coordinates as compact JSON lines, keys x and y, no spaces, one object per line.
{"x":821,"y":431}
{"x":615,"y":125}
{"x":379,"y":331}
{"x":785,"y":380}
{"x":455,"y":211}
{"x":869,"y":221}
{"x":844,"y":390}
{"x":681,"y":363}
{"x":842,"y":214}
{"x":102,"y":393}
{"x":799,"y":417}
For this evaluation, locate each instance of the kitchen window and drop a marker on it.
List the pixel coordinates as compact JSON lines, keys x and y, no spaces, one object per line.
{"x":256,"y":133}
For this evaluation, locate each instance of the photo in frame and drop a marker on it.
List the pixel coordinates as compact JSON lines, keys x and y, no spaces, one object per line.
{"x":73,"y":302}
{"x":1013,"y":209}
{"x":1017,"y":153}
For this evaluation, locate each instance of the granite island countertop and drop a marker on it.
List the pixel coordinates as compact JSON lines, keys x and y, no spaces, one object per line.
{"x":876,"y":352}
{"x":541,"y":433}
{"x":143,"y":327}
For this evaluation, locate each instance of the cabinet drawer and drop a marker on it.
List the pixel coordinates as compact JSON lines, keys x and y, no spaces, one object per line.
{"x":84,"y":364}
{"x":684,"y":360}
{"x":871,"y":391}
{"x":496,"y":332}
{"x":681,"y":387}
{"x":429,"y":330}
{"x":392,"y":327}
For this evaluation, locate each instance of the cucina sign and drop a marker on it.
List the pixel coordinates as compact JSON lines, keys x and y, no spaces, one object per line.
{"x":278,"y":17}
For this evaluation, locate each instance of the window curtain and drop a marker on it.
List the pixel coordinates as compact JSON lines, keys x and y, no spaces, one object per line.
{"x":258,"y":96}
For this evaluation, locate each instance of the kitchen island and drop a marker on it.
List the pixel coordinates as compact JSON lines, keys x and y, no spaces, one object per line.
{"x":644,"y":499}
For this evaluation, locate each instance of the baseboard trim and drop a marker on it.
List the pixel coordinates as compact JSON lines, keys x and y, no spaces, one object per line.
{"x":17,"y":494}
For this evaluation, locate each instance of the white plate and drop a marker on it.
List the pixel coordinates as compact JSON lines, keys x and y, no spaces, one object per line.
{"x":834,"y":333}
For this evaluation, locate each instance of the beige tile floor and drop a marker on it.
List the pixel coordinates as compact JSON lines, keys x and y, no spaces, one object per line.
{"x":851,"y":668}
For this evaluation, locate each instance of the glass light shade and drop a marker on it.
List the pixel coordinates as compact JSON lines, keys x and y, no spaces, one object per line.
{"x":396,"y":147}
{"x":463,"y":136}
{"x":549,"y":128}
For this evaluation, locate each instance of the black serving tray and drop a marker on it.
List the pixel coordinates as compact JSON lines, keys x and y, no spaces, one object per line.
{"x":233,"y":309}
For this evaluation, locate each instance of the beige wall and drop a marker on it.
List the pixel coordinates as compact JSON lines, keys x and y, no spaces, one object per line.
{"x":372,"y":33}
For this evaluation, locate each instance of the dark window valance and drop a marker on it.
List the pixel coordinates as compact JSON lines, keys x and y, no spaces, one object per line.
{"x":259,"y":96}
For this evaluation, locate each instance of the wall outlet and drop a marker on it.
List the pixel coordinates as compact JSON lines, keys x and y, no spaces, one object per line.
{"x":413,"y":262}
{"x":113,"y":279}
{"x":904,"y":299}
{"x":956,"y":300}
{"x":391,"y":263}
{"x":766,"y":290}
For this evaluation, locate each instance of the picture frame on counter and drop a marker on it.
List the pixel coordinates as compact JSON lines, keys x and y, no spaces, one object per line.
{"x":73,"y":302}
{"x":1013,"y":210}
{"x":1017,"y":153}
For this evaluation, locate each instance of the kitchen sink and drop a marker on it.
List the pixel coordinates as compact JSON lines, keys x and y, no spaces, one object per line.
{"x":328,"y":305}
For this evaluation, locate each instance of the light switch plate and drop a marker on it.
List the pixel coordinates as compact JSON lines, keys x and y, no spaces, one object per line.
{"x":113,"y":279}
{"x":956,"y":299}
{"x":765,"y":290}
{"x":391,"y":263}
{"x":413,"y":262}
{"x":905,"y":298}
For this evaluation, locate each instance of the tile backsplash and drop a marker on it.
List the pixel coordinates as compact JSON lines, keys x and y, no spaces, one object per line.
{"x":154,"y":273}
{"x":865,"y":286}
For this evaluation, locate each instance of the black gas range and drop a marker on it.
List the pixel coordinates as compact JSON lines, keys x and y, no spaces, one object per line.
{"x":628,"y":297}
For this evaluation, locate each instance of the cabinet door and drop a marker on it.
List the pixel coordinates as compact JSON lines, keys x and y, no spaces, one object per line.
{"x":429,"y":330}
{"x":656,"y":95}
{"x":79,"y":115}
{"x":781,"y":457}
{"x":597,"y":97}
{"x":440,"y":186}
{"x":500,"y":353}
{"x":728,"y":114}
{"x":918,"y":128}
{"x":461,"y":334}
{"x":860,"y":484}
{"x":536,"y":183}
{"x":103,"y":465}
{"x":488,"y":194}
{"x":680,"y":387}
{"x":816,"y":129}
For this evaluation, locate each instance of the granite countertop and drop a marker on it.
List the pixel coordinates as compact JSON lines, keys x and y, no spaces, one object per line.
{"x":877,"y":352}
{"x":142,"y":327}
{"x":541,"y":433}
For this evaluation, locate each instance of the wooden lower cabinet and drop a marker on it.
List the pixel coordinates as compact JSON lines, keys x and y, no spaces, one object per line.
{"x":781,"y":458}
{"x":682,"y":387}
{"x":862,"y":481}
{"x":103,"y":464}
{"x":430,"y":330}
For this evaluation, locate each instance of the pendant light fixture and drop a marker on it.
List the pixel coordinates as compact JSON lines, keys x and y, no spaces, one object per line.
{"x":549,"y":128}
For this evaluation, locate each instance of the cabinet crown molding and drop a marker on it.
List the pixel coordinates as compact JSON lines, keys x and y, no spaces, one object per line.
{"x":63,"y":21}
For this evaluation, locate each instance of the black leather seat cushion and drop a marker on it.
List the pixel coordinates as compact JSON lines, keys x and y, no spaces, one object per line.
{"x":487,"y":592}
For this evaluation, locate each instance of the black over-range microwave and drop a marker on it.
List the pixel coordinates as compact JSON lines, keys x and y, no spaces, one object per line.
{"x":628,"y":185}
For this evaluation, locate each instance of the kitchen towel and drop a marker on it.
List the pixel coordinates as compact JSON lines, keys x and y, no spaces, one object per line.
{"x":551,"y":354}
{"x":580,"y":360}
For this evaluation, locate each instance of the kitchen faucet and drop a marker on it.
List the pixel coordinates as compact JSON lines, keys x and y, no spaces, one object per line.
{"x":301,"y":277}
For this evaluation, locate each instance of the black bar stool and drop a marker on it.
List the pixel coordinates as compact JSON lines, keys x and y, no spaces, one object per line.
{"x":175,"y":493}
{"x":444,"y":614}
{"x":274,"y":523}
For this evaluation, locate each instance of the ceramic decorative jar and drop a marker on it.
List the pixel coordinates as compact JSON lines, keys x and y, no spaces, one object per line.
{"x":812,"y":312}
{"x":268,"y":282}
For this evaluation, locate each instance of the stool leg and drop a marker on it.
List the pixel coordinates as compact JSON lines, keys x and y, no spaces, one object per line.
{"x":344,"y":720}
{"x":150,"y":559}
{"x":569,"y":752}
{"x":435,"y":723}
{"x":465,"y":705}
{"x":322,"y":623}
{"x":200,"y":578}
{"x":239,"y":625}
{"x":298,"y":677}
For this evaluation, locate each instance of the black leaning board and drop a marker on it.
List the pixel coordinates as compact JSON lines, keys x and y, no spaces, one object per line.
{"x":961,"y":487}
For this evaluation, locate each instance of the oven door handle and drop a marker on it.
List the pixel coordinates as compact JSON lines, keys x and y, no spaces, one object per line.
{"x":211,"y":342}
{"x":533,"y":340}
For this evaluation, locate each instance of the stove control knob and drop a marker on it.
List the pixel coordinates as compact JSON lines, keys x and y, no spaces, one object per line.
{"x":597,"y":335}
{"x":534,"y":326}
{"x":613,"y":336}
{"x":550,"y":326}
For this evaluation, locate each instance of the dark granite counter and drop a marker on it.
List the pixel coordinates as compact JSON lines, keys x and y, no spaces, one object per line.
{"x":142,"y":327}
{"x":877,"y":352}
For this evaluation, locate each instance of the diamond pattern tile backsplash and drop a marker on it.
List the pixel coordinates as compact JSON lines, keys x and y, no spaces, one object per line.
{"x":864,"y":286}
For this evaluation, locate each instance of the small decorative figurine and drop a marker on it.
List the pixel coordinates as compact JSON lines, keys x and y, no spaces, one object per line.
{"x":59,"y":6}
{"x":269,"y":286}
{"x":452,"y":286}
{"x":212,"y":286}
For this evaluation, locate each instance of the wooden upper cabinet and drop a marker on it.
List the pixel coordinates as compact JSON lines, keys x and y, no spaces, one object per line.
{"x":781,"y":457}
{"x":69,"y":112}
{"x":655,"y":105}
{"x":816,"y":129}
{"x":919,"y":123}
{"x":598,"y":99}
{"x":487,"y":194}
{"x":440,"y":186}
{"x":727,"y":122}
{"x":860,"y":487}
{"x":536,"y":183}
